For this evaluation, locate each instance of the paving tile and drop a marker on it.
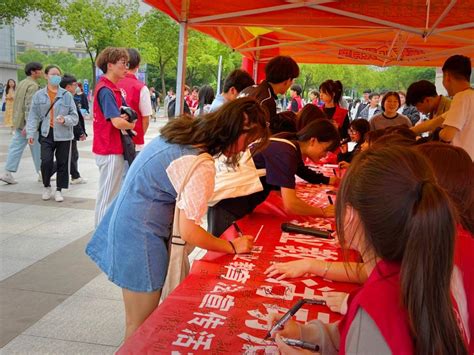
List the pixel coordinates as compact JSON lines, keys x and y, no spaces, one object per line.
{"x":63,"y":272}
{"x":5,"y":236}
{"x":101,"y":287}
{"x":10,"y":266}
{"x":83,"y":319}
{"x":26,"y":344}
{"x":19,"y":309}
{"x":70,"y":225}
{"x":30,"y":247}
{"x":6,"y":208}
{"x":33,"y":198}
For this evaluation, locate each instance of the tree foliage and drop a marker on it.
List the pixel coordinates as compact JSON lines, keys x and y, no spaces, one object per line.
{"x":95,"y":23}
{"x":19,"y":10}
{"x":357,"y":78}
{"x":68,"y":63}
{"x":157,"y":42}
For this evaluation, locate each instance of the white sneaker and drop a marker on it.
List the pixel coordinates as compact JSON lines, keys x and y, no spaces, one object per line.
{"x":78,"y":181}
{"x":8,"y":178}
{"x":46,"y":193}
{"x":58,"y":196}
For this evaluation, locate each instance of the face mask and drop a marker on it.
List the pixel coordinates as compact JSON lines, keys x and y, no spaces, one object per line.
{"x":55,"y":80}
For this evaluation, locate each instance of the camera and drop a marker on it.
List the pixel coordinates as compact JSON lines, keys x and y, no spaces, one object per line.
{"x":131,"y":114}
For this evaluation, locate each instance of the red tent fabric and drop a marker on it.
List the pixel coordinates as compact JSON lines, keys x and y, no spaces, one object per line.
{"x":406,"y":32}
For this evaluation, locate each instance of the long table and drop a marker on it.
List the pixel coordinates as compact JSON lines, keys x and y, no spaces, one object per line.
{"x":221,"y":307}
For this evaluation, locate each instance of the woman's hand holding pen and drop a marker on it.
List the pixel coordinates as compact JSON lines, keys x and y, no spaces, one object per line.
{"x":334,"y":180}
{"x":291,"y":329}
{"x":286,"y":349}
{"x":328,"y":211}
{"x":243,"y":244}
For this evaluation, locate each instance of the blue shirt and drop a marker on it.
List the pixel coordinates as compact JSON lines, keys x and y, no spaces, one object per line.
{"x":107,"y":103}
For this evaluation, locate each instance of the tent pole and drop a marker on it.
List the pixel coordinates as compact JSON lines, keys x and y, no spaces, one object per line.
{"x":181,"y":68}
{"x":256,"y":61}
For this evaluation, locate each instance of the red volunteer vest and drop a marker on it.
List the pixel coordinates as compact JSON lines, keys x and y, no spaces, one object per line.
{"x":463,"y":259}
{"x":380,"y":298}
{"x":107,"y":139}
{"x":298,"y":101}
{"x":132,"y":87}
{"x":339,"y":115}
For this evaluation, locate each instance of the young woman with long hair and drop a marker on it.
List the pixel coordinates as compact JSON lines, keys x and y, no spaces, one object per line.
{"x":331,"y":95}
{"x":130,"y":243}
{"x":282,"y":160}
{"x":454,"y":171}
{"x":404,"y":226}
{"x":8,"y":98}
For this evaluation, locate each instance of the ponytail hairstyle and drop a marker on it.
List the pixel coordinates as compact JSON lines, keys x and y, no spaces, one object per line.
{"x":332,"y":88}
{"x":454,"y":171}
{"x":322,"y":129}
{"x":407,"y":218}
{"x":218,"y":131}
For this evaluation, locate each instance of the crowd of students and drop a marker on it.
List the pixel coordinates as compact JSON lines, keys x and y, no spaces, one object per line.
{"x":405,"y":203}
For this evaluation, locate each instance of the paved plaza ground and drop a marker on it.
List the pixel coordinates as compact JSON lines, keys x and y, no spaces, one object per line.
{"x":53,"y":299}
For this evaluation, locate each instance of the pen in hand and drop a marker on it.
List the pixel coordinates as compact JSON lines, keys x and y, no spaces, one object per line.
{"x":285,"y":317}
{"x":330,"y":200}
{"x":237,"y":228}
{"x":300,"y":343}
{"x":291,"y":312}
{"x":335,"y":172}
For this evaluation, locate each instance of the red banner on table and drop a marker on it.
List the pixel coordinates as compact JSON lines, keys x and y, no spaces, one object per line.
{"x":222,"y":306}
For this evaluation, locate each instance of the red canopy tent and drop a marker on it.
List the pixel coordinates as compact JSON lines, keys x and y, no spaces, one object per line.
{"x":406,"y":32}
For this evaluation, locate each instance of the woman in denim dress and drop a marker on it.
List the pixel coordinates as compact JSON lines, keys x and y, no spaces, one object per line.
{"x":130,"y":243}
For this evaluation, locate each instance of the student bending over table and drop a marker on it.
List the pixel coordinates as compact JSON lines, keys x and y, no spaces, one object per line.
{"x":283,"y":159}
{"x":130,"y":243}
{"x":405,"y":306}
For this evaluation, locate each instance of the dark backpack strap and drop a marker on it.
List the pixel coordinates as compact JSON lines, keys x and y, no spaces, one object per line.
{"x":56,"y":99}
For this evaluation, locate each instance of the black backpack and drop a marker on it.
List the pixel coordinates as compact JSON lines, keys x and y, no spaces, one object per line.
{"x":172,"y":106}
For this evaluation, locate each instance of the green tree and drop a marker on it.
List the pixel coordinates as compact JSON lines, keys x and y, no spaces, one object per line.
{"x":357,"y":78}
{"x":20,"y":9}
{"x":95,"y":23}
{"x":157,"y":42}
{"x":29,"y":56}
{"x":203,"y":59}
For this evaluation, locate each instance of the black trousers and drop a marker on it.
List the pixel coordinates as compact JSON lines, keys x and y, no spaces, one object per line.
{"x":60,"y":150}
{"x":74,"y":158}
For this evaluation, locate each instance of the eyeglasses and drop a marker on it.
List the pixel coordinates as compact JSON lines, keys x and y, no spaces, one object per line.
{"x":124,"y":63}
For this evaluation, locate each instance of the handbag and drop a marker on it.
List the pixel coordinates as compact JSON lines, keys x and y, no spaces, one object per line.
{"x":179,"y":250}
{"x":242,"y":180}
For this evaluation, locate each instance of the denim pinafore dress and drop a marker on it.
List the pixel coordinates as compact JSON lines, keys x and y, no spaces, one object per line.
{"x":130,"y":243}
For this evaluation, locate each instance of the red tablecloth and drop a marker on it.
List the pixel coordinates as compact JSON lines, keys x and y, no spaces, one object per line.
{"x":221,"y":306}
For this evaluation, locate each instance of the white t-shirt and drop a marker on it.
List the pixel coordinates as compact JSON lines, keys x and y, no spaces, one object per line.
{"x":145,"y":108}
{"x":145,"y":102}
{"x":198,"y":190}
{"x":461,"y":116}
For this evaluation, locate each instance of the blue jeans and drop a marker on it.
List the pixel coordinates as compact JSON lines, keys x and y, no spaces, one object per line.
{"x":15,"y":151}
